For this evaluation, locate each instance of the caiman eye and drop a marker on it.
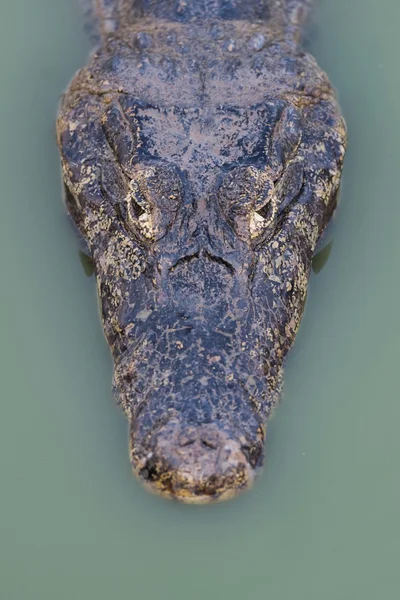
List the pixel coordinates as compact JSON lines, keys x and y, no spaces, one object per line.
{"x":139,"y":211}
{"x":154,"y":199}
{"x":248,"y":198}
{"x":266,"y":206}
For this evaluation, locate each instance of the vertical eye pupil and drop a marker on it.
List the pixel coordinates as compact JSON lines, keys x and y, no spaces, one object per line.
{"x":137,"y":209}
{"x":137,"y":203}
{"x":263,"y":212}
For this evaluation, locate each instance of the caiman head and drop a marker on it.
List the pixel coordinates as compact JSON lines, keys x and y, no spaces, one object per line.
{"x":202,"y":213}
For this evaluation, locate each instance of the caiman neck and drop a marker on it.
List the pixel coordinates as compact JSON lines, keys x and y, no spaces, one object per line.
{"x":189,"y":10}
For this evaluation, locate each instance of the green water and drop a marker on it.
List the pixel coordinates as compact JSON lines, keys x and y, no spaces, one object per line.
{"x":324,"y":520}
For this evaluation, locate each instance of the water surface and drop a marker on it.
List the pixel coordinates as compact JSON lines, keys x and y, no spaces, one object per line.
{"x":323,"y":521}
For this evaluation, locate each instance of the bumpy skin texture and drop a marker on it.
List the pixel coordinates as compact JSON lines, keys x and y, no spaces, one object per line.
{"x":201,"y":151}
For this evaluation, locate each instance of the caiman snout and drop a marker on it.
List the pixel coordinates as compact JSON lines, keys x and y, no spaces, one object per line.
{"x":195,"y":463}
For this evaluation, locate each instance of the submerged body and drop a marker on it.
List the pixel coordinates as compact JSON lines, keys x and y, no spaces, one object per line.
{"x":201,"y":152}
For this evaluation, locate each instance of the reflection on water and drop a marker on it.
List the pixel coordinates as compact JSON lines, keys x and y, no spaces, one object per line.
{"x":87,"y":263}
{"x":322,"y":522}
{"x":321,"y":258}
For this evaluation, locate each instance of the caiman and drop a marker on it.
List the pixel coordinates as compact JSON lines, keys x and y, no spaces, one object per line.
{"x":201,"y":152}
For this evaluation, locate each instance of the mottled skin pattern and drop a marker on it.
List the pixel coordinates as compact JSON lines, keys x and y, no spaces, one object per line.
{"x":201,"y":151}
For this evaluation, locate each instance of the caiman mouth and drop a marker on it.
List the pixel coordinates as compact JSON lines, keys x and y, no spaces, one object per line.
{"x":195,"y":464}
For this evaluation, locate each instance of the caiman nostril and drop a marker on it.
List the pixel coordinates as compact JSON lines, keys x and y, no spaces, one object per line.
{"x":212,"y":444}
{"x":186,"y":440}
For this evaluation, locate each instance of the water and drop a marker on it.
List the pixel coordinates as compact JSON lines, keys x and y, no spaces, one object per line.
{"x":323,"y":521}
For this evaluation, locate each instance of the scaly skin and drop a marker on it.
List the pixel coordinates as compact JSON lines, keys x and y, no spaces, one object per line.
{"x":201,"y":151}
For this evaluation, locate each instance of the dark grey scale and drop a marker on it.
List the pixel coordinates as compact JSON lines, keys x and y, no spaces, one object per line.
{"x":257,"y":42}
{"x":144,"y":40}
{"x":168,"y":68}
